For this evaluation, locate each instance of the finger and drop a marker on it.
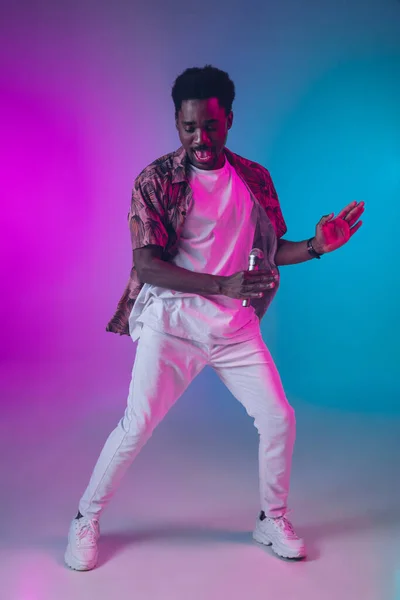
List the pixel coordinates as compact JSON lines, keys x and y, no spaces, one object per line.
{"x":262,"y":273}
{"x":257,"y":285}
{"x":254,"y":277}
{"x":347,"y":209}
{"x":355,"y":228}
{"x":325,"y":219}
{"x":255,"y":289}
{"x":356,"y":209}
{"x":251,"y":295}
{"x":354,"y":214}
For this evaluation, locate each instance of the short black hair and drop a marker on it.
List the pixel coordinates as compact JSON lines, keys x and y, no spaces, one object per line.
{"x":201,"y":83}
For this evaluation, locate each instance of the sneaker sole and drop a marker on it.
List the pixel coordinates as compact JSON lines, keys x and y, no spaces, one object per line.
{"x":74,"y":564}
{"x":279,"y":550}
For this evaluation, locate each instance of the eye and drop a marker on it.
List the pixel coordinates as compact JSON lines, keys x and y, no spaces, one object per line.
{"x":189,"y":129}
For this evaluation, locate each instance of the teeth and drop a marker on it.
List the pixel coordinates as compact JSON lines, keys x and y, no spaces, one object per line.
{"x":203,"y":154}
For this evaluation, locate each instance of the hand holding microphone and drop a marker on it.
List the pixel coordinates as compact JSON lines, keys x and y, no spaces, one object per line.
{"x":250,"y":284}
{"x":255,"y":255}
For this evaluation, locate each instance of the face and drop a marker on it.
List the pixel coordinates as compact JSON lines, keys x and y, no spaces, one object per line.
{"x":203,"y":129}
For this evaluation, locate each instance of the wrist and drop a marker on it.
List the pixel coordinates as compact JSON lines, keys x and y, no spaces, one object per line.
{"x":216,"y":285}
{"x":318,"y":248}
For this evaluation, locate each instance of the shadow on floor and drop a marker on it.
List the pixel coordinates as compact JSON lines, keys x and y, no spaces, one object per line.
{"x":111,"y":544}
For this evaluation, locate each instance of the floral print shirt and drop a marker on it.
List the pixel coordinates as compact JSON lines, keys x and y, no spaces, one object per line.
{"x":160,"y":199}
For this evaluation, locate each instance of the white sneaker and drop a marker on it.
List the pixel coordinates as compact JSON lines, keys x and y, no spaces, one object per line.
{"x":279,"y":534}
{"x":81,"y":553}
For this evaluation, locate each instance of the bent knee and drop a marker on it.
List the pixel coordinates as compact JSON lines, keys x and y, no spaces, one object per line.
{"x":281,"y":417}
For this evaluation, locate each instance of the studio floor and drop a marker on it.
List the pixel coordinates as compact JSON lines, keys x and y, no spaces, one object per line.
{"x":180,"y":526}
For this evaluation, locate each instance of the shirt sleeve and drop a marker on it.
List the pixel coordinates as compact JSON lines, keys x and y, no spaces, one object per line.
{"x":146,"y":217}
{"x":274,"y":208}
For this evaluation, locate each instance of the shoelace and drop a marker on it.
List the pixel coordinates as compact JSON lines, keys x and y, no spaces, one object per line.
{"x":88,"y":531}
{"x":285,"y":525}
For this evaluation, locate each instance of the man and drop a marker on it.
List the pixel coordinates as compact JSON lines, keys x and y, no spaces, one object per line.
{"x":195,"y":216}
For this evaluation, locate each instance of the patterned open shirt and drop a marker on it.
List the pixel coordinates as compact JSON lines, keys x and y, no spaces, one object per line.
{"x":160,"y":199}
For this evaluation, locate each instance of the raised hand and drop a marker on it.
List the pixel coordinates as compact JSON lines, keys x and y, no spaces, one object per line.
{"x":333,"y":232}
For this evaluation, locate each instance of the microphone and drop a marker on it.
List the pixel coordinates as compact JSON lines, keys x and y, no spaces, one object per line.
{"x":255,"y":254}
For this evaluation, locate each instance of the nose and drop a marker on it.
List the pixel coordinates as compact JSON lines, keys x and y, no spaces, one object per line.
{"x":201,"y":137}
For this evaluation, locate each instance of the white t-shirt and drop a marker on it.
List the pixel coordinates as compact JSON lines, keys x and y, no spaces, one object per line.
{"x":217,"y":239}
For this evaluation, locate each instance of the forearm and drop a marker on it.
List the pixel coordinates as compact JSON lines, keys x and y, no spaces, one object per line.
{"x":167,"y":275}
{"x":292,"y":253}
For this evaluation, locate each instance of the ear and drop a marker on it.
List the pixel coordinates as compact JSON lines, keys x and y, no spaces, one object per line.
{"x":230,"y":120}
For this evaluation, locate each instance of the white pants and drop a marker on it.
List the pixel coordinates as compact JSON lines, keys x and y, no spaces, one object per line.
{"x":164,"y":367}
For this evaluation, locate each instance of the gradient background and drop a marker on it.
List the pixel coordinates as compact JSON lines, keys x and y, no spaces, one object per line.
{"x":85,"y":94}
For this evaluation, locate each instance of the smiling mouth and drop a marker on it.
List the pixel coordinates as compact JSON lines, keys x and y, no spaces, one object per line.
{"x":203,"y":156}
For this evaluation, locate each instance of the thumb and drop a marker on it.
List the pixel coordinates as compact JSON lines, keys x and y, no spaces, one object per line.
{"x":325,"y":219}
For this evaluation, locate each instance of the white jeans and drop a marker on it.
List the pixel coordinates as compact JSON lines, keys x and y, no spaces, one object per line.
{"x":164,"y":367}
